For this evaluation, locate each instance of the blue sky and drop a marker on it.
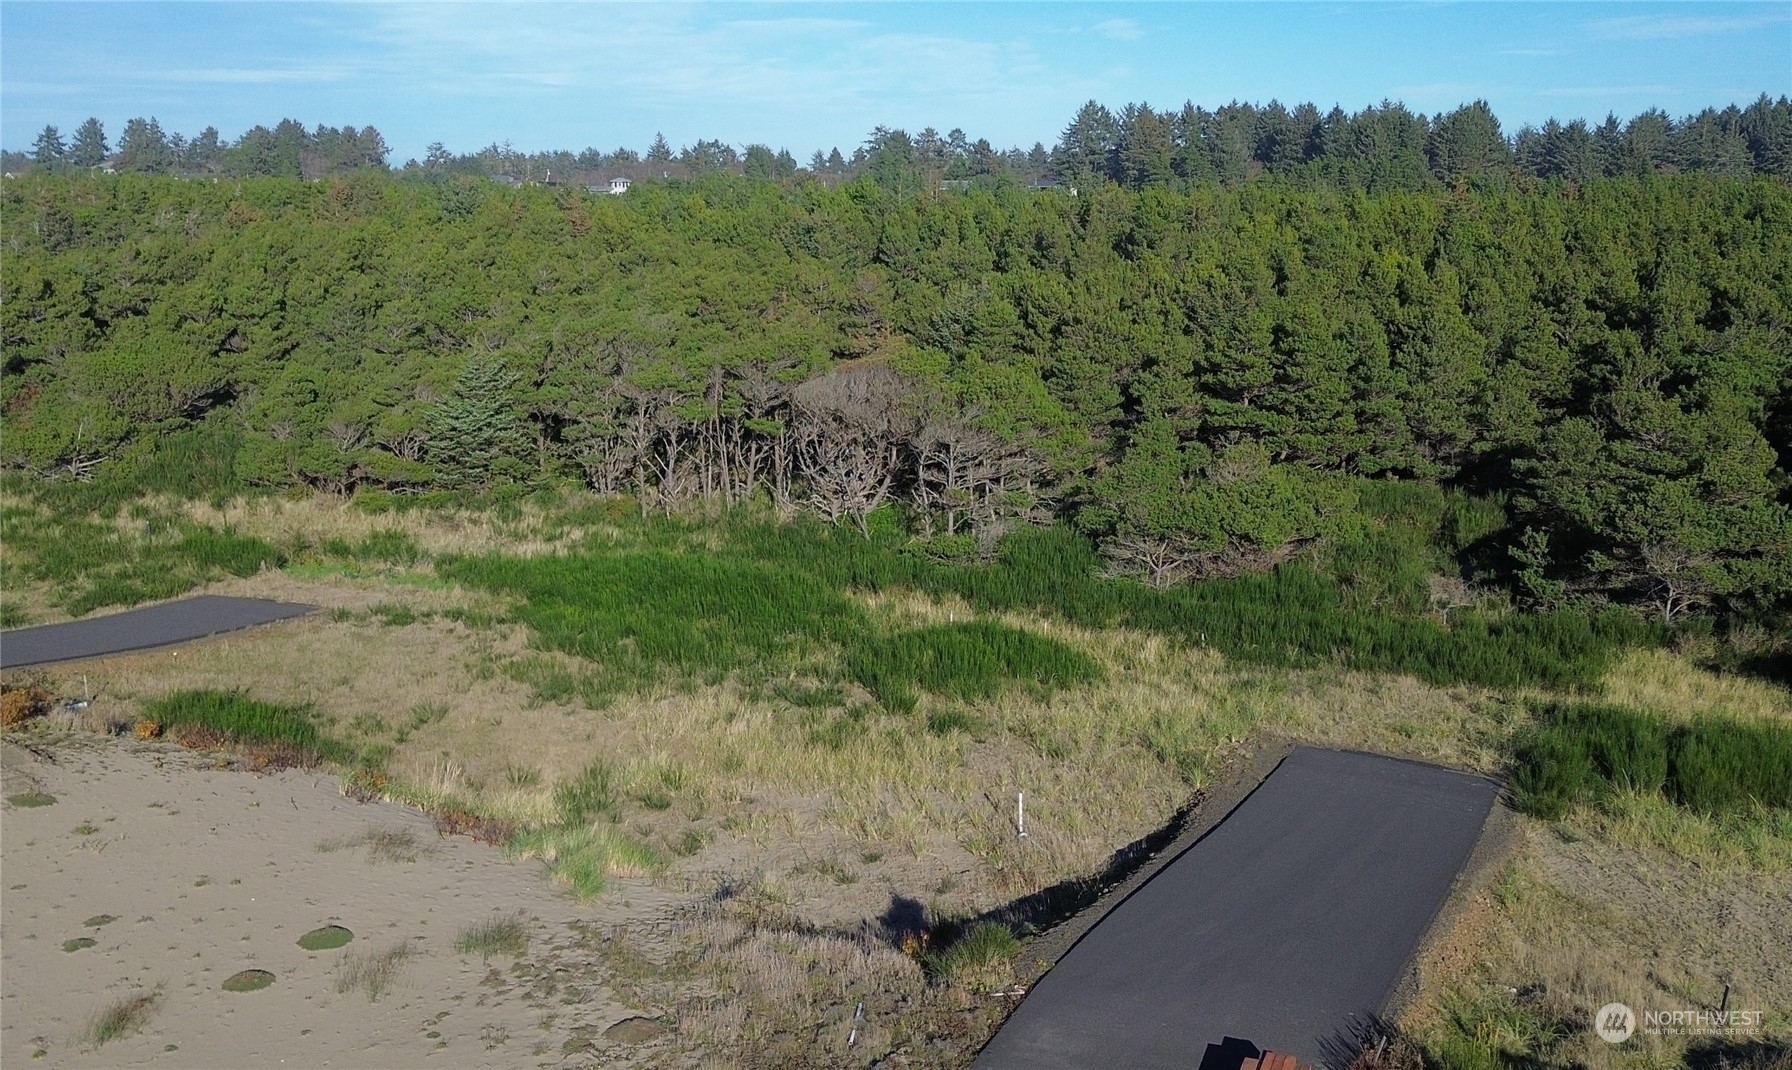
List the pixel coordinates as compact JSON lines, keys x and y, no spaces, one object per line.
{"x":807,"y":76}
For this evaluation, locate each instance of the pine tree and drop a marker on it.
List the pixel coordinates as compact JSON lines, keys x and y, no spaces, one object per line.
{"x":660,"y":151}
{"x":1087,"y":144}
{"x":476,"y":436}
{"x":48,"y":150}
{"x":143,"y":147}
{"x":90,"y":149}
{"x":1466,"y":142}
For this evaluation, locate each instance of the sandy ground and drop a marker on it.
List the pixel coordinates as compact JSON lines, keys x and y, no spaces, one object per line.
{"x":208,"y":872}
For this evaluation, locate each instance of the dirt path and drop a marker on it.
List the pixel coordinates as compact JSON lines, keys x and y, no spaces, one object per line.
{"x":181,"y":875}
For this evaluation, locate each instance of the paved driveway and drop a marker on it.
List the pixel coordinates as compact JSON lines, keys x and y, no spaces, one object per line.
{"x":1295,"y":915}
{"x":139,"y":629}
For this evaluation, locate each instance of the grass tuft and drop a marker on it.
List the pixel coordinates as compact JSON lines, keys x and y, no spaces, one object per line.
{"x":583,"y":857}
{"x":374,"y":972}
{"x":123,"y":1018}
{"x":237,"y":717}
{"x":982,"y":959}
{"x":494,"y":936}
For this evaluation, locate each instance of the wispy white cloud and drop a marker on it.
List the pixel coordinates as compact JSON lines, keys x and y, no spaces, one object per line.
{"x":1606,"y":91}
{"x":244,"y":75}
{"x":654,"y":55}
{"x":1119,"y":29}
{"x":1669,"y":27}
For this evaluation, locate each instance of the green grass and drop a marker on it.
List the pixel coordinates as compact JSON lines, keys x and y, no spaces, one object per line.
{"x":982,"y":959}
{"x":373,"y":973}
{"x":1296,"y":616}
{"x":971,"y":660}
{"x":247,"y":720}
{"x":379,"y":548}
{"x":89,"y":562}
{"x":634,"y":617}
{"x":1581,"y":752}
{"x":78,"y":943}
{"x":589,"y":795}
{"x":122,"y":1018}
{"x":582,"y":858}
{"x":494,"y":936}
{"x":32,"y":799}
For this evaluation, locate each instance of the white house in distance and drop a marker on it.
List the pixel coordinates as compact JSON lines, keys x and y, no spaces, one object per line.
{"x":618,"y":186}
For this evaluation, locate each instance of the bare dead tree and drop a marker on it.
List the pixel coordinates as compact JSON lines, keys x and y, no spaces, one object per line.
{"x":1675,"y":577}
{"x":850,"y":428}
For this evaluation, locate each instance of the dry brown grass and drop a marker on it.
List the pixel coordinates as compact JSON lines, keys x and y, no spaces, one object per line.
{"x":1667,"y":683}
{"x":1578,"y":923}
{"x":1102,"y":766}
{"x":313,"y":520}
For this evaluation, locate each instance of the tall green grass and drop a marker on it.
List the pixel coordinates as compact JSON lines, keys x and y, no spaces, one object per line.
{"x":1295,"y":616}
{"x":969,"y":660}
{"x":1582,"y":752}
{"x":636,"y":615}
{"x":239,"y":717}
{"x":91,"y":562}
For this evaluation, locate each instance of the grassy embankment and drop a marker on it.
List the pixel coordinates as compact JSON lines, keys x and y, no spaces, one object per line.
{"x":698,"y":697}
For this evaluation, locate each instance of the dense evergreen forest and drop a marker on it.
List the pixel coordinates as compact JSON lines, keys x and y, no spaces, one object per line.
{"x":1205,"y":382}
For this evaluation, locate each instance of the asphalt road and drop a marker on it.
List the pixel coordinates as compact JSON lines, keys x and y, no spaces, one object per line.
{"x":139,"y":629}
{"x":1291,"y":919}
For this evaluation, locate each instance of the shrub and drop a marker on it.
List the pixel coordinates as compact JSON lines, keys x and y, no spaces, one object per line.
{"x":19,"y":704}
{"x":1551,"y":775}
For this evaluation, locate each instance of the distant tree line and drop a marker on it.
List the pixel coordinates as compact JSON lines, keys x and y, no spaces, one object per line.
{"x":1391,"y":147}
{"x":1383,"y":147}
{"x":286,"y":151}
{"x":1205,"y":381}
